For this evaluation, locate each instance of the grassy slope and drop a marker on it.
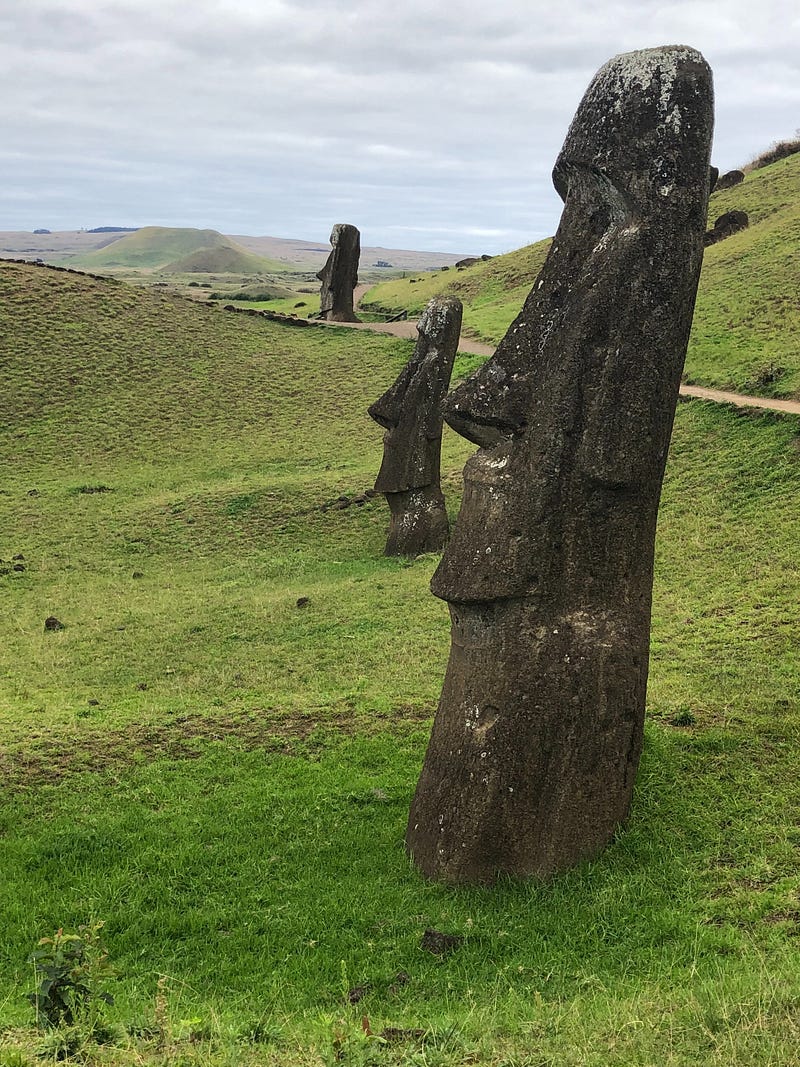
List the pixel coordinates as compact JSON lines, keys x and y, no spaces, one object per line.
{"x":233,"y":805}
{"x":746,"y":333}
{"x":230,"y":259}
{"x":171,"y":247}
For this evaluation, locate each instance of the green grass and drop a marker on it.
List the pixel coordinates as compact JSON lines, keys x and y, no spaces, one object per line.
{"x":223,"y":775}
{"x":492,"y":291}
{"x":746,"y":333}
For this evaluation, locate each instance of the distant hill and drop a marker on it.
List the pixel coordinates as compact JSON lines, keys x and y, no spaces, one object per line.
{"x":63,"y":247}
{"x":746,"y":332}
{"x":177,"y":249}
{"x":225,"y":259}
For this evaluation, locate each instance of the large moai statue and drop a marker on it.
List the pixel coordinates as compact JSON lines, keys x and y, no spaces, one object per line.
{"x":549,"y":569}
{"x":339,"y":276}
{"x":411,"y":413}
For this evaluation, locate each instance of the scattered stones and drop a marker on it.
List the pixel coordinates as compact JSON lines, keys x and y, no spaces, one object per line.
{"x":411,"y":413}
{"x":440,"y":944}
{"x":88,"y":489}
{"x":725,"y":226}
{"x":396,"y":1034}
{"x":339,"y":276}
{"x":357,"y":993}
{"x":340,"y":503}
{"x":402,"y":978}
{"x":51,"y":623}
{"x":728,"y":180}
{"x":548,"y":573}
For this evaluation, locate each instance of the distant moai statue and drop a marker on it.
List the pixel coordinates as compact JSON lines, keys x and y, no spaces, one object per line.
{"x":411,"y":413}
{"x":339,"y":276}
{"x":548,"y":573}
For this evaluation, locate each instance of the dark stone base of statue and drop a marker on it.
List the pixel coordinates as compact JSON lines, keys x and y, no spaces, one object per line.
{"x":418,"y":522}
{"x":550,"y":749}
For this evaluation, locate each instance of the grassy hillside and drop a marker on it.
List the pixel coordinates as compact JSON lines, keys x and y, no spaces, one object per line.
{"x":492,"y":291}
{"x":220,"y":769}
{"x":746,"y":333}
{"x":177,"y":250}
{"x":230,"y":259}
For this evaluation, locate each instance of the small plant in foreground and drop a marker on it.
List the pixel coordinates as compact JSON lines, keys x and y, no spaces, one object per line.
{"x":67,"y":969}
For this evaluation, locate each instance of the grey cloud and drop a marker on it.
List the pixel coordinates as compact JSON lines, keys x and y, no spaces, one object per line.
{"x":270,"y":116}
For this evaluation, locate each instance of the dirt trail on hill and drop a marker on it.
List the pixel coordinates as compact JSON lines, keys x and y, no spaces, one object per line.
{"x":408,"y":330}
{"x":791,"y":407}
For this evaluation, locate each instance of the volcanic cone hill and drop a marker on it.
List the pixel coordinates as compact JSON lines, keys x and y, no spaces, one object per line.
{"x":175,"y":249}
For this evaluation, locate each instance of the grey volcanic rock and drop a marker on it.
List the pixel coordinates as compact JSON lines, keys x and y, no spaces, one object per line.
{"x":725,"y":226}
{"x":339,"y":276}
{"x":728,"y":180}
{"x":411,"y":413}
{"x":549,"y":569}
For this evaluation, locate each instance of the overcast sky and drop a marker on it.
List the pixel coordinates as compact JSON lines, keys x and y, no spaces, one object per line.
{"x":427,"y":125}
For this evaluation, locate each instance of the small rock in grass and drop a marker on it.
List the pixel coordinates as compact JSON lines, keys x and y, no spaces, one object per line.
{"x":93,"y":703}
{"x":402,"y":978}
{"x":19,"y":556}
{"x":440,"y":944}
{"x":402,"y":1033}
{"x":137,"y":574}
{"x":358,"y":993}
{"x":18,"y":567}
{"x":52,"y":623}
{"x":302,"y":601}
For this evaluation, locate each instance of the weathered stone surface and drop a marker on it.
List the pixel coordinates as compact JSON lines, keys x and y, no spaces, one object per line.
{"x":725,"y":226}
{"x":548,"y":573}
{"x":728,"y":180}
{"x":411,"y":413}
{"x":339,"y":276}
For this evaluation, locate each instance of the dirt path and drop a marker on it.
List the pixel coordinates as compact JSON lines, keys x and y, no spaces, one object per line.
{"x":408,"y":330}
{"x":791,"y":407}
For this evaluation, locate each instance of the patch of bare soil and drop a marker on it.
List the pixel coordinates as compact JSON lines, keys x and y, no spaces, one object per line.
{"x":50,"y":759}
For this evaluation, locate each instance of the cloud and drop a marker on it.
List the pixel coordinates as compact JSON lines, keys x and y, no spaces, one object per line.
{"x":275,"y":116}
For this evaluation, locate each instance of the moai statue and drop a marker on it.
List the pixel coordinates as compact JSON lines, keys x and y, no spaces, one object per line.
{"x":549,"y":570}
{"x":339,"y":276}
{"x":411,"y":413}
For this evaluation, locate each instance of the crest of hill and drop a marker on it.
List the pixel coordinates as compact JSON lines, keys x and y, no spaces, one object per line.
{"x":746,"y":332}
{"x":178,"y":249}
